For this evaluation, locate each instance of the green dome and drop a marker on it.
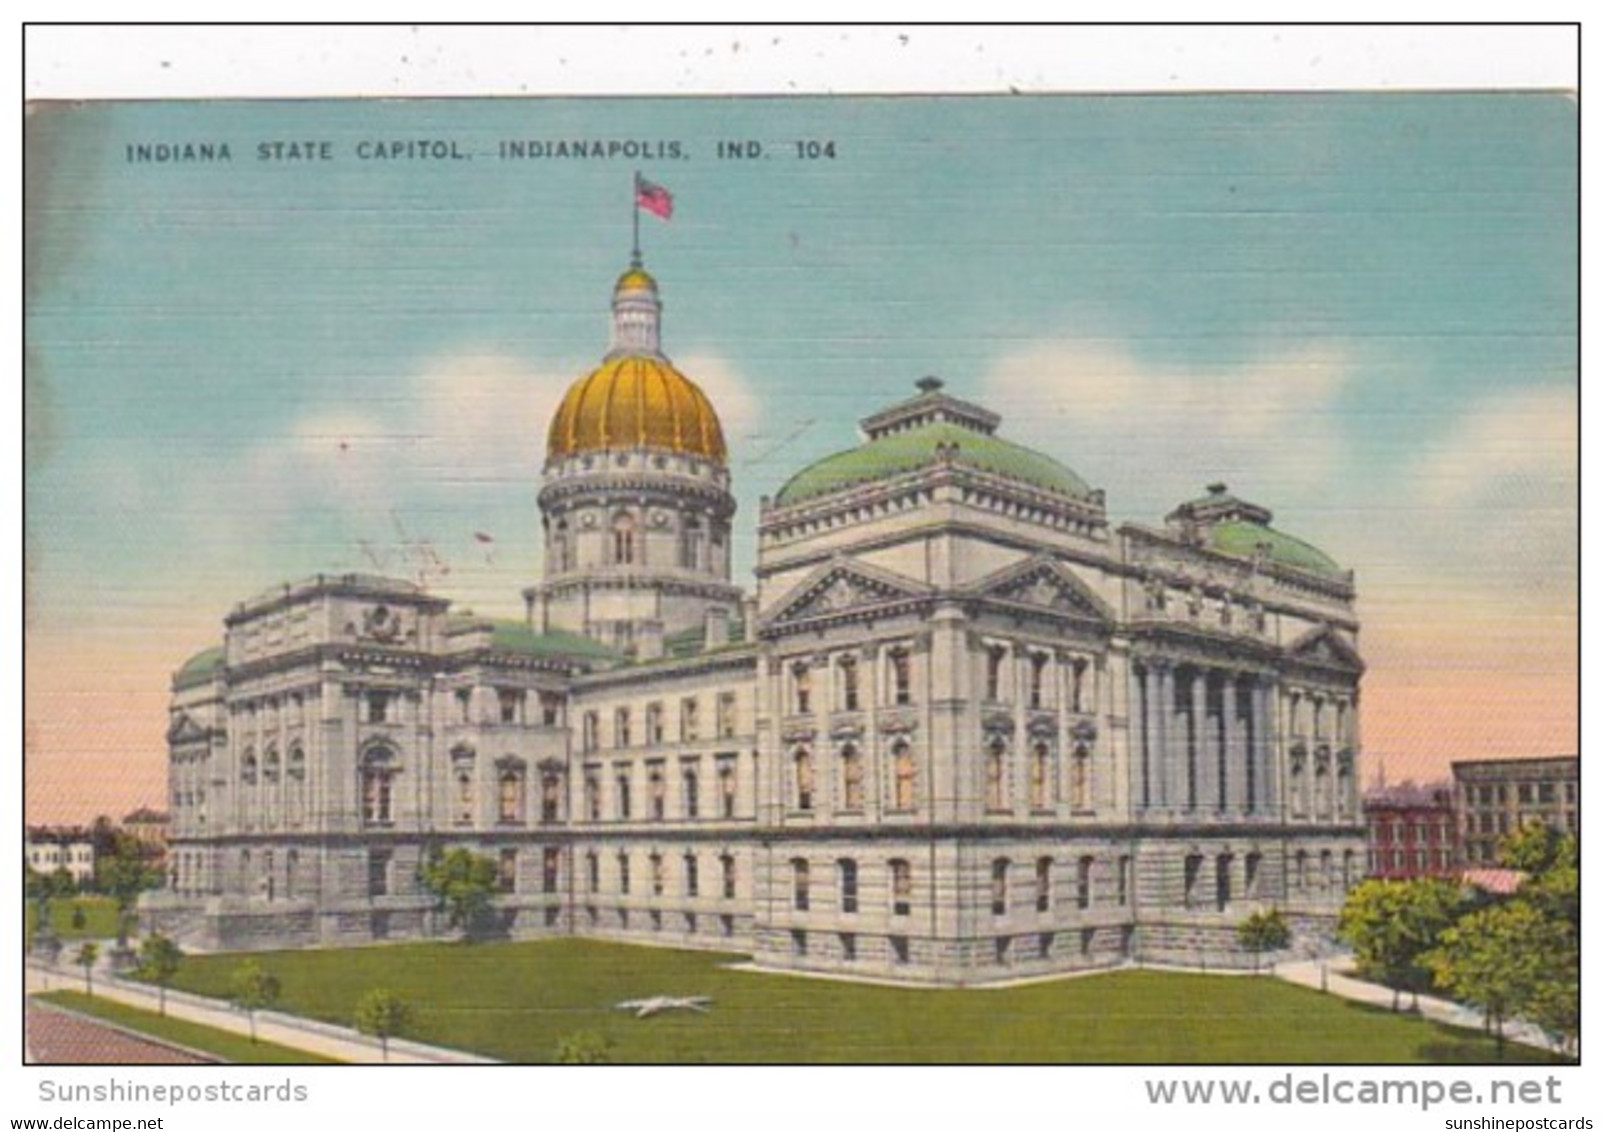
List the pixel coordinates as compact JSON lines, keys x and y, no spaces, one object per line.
{"x":1242,"y":539}
{"x":914,"y":448}
{"x":200,"y":668}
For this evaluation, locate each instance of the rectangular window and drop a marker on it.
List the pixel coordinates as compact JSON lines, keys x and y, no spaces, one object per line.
{"x":550,"y":710}
{"x":1082,"y":882}
{"x":623,"y":873}
{"x":726,"y":715}
{"x":901,"y":888}
{"x":689,"y":726}
{"x":726,"y":864}
{"x":511,"y":700}
{"x":801,"y":885}
{"x":592,"y":867}
{"x":727,"y":786}
{"x":848,"y":947}
{"x":848,"y":886}
{"x":659,"y":881}
{"x":1193,"y":877}
{"x":464,"y":705}
{"x":998,"y":888}
{"x":623,"y":799}
{"x":901,"y":677}
{"x":1043,"y":884}
{"x":654,"y":724}
{"x":620,"y":728}
{"x":378,"y":872}
{"x":690,"y":790}
{"x":657,"y":783}
{"x":550,"y":869}
{"x":378,"y":707}
{"x":506,"y":870}
{"x":692,"y":875}
{"x":1124,"y":881}
{"x":592,"y":792}
{"x":592,"y":730}
{"x":901,"y":952}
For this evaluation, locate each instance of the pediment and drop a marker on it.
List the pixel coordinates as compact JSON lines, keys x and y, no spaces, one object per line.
{"x":846,"y":586}
{"x":184,"y":729}
{"x":1044,"y":583}
{"x":1325,"y":647}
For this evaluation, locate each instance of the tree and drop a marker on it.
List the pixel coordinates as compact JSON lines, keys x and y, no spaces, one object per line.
{"x":584,"y":1048}
{"x":159,"y":958}
{"x":383,"y":1014}
{"x":1391,"y":924}
{"x":1263,"y":931}
{"x":1494,"y":960}
{"x":123,"y":877}
{"x":1532,"y":848}
{"x":463,"y":884}
{"x":85,"y":957}
{"x":253,"y":988}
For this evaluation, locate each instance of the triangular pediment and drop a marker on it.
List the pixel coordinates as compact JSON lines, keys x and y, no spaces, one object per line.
{"x":1324,"y":646}
{"x":1043,"y":583}
{"x":846,"y":586}
{"x":184,"y":729}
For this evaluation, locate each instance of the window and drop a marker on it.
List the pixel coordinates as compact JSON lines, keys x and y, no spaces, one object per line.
{"x":726,"y":865}
{"x":1041,"y":777}
{"x":623,"y":873}
{"x":378,"y":871}
{"x":592,"y":793}
{"x":1123,"y":893}
{"x":1043,"y":884}
{"x":801,"y":885}
{"x":901,"y":952}
{"x":378,"y":707}
{"x":506,"y":871}
{"x":464,"y":705}
{"x":378,"y":773}
{"x":550,"y":710}
{"x":1080,"y":778}
{"x":996,"y":774}
{"x":620,"y":728}
{"x":851,"y":773}
{"x":623,"y":800}
{"x":802,"y":686}
{"x":1193,"y":877}
{"x":798,"y":942}
{"x":726,"y":715}
{"x":803,"y":761}
{"x":690,"y":791}
{"x":657,"y":785}
{"x":692,"y":875}
{"x":901,"y":888}
{"x":592,"y":871}
{"x":848,"y":684}
{"x":690,"y":545}
{"x":510,"y":794}
{"x":901,"y":677}
{"x":658,"y":875}
{"x":848,"y":885}
{"x":727,"y":785}
{"x":550,"y":795}
{"x":688,"y":724}
{"x":848,"y":946}
{"x":511,"y":704}
{"x":1038,"y":663}
{"x":1223,"y":866}
{"x":247,"y":769}
{"x":906,"y":775}
{"x":464,"y":794}
{"x":592,"y":730}
{"x":1077,"y":697}
{"x":995,"y":658}
{"x":623,"y":539}
{"x":1301,"y":869}
{"x":1254,"y":867}
{"x":1082,"y":882}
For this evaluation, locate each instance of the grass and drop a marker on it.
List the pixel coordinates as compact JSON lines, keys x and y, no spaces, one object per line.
{"x":515,"y":1001}
{"x":99,"y":918}
{"x":219,"y":1043}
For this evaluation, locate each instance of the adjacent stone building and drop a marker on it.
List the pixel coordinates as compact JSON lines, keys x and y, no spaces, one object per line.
{"x":964,"y":729}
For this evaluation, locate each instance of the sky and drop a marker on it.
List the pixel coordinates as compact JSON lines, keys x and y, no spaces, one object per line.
{"x":1358,"y":310}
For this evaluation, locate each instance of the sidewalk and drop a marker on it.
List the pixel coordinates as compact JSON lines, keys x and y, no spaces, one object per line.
{"x":321,"y":1038}
{"x":1337,"y":981}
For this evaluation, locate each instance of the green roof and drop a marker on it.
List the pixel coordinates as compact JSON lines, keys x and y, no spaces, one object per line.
{"x":689,"y":642}
{"x":200,"y":668}
{"x":515,"y":636}
{"x":1242,"y":539}
{"x":915,"y":448}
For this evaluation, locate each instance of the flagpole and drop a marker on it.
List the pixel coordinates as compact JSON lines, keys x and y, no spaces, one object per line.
{"x":635,"y":200}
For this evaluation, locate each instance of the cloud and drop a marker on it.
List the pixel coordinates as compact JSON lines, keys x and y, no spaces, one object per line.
{"x":1154,"y":434}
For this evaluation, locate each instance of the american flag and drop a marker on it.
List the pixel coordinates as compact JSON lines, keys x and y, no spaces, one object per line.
{"x":653,"y":198}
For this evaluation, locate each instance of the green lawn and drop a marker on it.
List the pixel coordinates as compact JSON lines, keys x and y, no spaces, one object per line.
{"x":99,"y":918}
{"x":513,"y":1001}
{"x":229,"y":1047}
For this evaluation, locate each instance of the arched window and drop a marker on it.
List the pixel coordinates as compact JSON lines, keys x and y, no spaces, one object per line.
{"x":657,"y":788}
{"x":996,"y":774}
{"x":851,"y":774}
{"x":1041,"y":776}
{"x":378,"y":787}
{"x":623,"y":539}
{"x":906,"y":775}
{"x":803,"y":760}
{"x":560,"y":546}
{"x":510,"y":792}
{"x":247,"y":768}
{"x":295,"y":792}
{"x":801,"y":885}
{"x":690,"y":545}
{"x":1081,"y":772}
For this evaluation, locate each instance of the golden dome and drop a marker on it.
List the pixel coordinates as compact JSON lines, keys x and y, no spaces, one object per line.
{"x":636,"y":401}
{"x":635,"y":279}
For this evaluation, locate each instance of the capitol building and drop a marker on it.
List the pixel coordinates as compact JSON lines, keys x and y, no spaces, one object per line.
{"x":964,"y":728}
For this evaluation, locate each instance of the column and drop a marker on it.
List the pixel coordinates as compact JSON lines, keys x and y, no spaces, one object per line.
{"x":1209,"y":745}
{"x":1138,"y":733}
{"x":1160,"y":694}
{"x":1237,"y":753}
{"x":1193,"y":756}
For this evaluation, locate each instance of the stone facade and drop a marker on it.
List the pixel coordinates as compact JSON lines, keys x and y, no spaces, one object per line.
{"x":1494,"y":797}
{"x":963,"y":730}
